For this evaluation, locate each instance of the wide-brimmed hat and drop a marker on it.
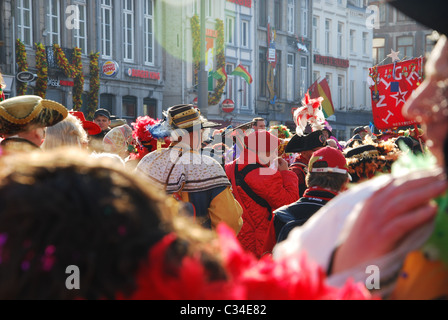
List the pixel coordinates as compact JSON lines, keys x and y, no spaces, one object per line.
{"x":187,"y":117}
{"x":91,"y":127}
{"x":430,"y":13}
{"x":118,"y":139}
{"x":300,"y":143}
{"x":367,"y":160}
{"x":18,"y":113}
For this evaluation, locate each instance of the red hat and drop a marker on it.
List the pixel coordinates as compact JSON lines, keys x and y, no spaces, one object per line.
{"x":91,"y":127}
{"x":329,"y":159}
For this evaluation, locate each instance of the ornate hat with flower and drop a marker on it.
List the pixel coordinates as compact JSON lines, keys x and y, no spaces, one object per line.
{"x":118,"y":139}
{"x":284,"y":135}
{"x":146,"y":142}
{"x":371,"y":158}
{"x":19,"y":113}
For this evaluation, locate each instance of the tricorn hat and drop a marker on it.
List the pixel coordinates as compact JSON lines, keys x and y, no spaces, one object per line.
{"x":307,"y":142}
{"x":18,"y":113}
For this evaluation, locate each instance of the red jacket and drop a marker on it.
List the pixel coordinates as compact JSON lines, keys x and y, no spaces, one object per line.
{"x":277,"y":188}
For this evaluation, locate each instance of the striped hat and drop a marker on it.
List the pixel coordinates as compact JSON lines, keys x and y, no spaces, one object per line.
{"x":187,"y":117}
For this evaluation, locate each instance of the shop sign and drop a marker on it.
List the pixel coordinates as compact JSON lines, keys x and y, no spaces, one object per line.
{"x":26,"y":76}
{"x":330,"y":61}
{"x":60,"y":83}
{"x":143,"y":74}
{"x":245,"y":3}
{"x":110,"y":69}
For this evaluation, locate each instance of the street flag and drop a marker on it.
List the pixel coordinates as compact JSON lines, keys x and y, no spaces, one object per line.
{"x":242,"y":72}
{"x":391,"y":87}
{"x":321,"y":89}
{"x":327,"y":104}
{"x":314,"y":90}
{"x":220,"y":74}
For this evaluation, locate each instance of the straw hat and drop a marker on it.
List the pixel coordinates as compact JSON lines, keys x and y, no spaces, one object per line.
{"x":18,"y":113}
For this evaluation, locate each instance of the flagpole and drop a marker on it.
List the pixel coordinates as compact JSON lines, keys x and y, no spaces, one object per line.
{"x":203,"y":81}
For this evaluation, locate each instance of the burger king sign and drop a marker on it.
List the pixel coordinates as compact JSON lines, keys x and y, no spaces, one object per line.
{"x":110,"y":69}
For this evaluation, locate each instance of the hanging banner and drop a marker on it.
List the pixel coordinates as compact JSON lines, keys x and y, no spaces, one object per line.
{"x":391,"y":85}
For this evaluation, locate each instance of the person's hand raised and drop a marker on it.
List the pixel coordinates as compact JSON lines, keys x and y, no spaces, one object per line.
{"x":388,"y":216}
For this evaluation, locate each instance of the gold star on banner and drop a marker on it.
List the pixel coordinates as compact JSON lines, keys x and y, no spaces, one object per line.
{"x":394,"y":55}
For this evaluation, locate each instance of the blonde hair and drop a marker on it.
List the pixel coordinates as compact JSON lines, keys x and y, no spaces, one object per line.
{"x":68,"y":132}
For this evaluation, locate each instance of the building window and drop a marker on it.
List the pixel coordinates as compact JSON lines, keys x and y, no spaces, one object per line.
{"x":327,"y":36}
{"x":149,"y":31}
{"x":352,"y":93}
{"x":245,"y":34}
{"x":25,"y":21}
{"x":107,"y":102}
{"x":340,"y":33}
{"x":290,"y":77}
{"x":230,"y":30}
{"x":263,"y":14}
{"x":128,"y":30}
{"x":263,"y":71}
{"x":378,"y":50}
{"x":352,"y":40}
{"x":340,"y":92}
{"x":303,"y":76}
{"x":278,"y":14}
{"x":81,"y":32}
{"x":304,"y":17}
{"x":316,"y":76}
{"x":208,"y":8}
{"x":328,"y":77}
{"x":129,"y":110}
{"x":54,"y":22}
{"x":365,"y":42}
{"x":382,"y":11}
{"x":230,"y":82}
{"x":315,"y":33}
{"x":150,"y":107}
{"x":291,"y":14}
{"x":405,"y":45}
{"x":106,"y":29}
{"x":245,"y":92}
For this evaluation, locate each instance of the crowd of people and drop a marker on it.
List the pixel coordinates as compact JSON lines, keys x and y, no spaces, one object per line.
{"x":170,"y":209}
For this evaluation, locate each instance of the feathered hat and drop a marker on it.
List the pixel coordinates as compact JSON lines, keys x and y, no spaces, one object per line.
{"x":367,"y":160}
{"x":146,"y":142}
{"x":309,"y":114}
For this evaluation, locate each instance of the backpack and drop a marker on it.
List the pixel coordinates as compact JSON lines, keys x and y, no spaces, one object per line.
{"x":284,"y":222}
{"x":239,"y":181}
